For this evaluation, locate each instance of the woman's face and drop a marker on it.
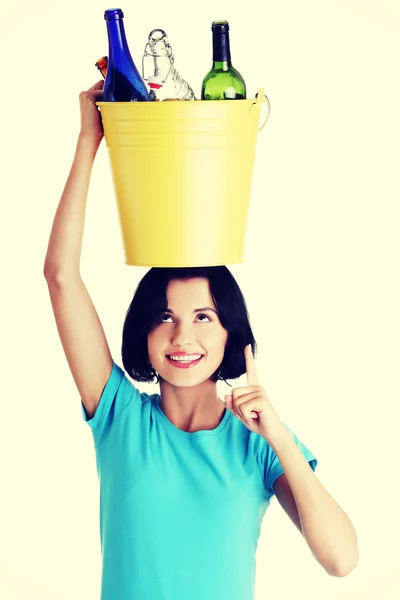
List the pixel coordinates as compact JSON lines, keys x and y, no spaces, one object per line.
{"x":190,"y":327}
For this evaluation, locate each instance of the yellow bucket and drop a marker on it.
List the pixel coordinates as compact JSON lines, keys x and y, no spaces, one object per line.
{"x":182,"y":175}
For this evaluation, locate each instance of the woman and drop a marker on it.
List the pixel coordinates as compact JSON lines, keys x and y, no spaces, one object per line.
{"x":185,"y":478}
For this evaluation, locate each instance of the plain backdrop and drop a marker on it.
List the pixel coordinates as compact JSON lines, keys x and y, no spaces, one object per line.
{"x":320,"y":275}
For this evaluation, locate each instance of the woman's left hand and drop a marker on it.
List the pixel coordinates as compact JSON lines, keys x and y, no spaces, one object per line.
{"x":251,"y":405}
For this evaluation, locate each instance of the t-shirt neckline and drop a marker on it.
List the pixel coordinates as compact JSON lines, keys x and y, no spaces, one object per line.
{"x":188,"y":435}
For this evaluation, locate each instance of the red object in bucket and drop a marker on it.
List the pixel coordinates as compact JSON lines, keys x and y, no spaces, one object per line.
{"x":155,"y":83}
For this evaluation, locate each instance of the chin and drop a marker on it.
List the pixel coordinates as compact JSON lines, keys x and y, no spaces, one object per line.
{"x":185,"y":381}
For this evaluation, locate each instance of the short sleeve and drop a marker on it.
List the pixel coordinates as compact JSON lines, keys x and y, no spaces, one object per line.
{"x":270,"y":466}
{"x":117,"y":395}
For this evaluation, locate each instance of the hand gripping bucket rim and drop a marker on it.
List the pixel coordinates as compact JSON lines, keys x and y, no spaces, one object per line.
{"x":182,"y":174}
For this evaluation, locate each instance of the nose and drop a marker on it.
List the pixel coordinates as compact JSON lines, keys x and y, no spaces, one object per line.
{"x":182,"y":335}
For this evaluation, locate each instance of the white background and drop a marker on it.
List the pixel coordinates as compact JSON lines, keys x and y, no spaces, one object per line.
{"x":321,"y":274}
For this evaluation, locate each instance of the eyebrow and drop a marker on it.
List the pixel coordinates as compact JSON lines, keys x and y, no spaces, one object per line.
{"x":196,"y":310}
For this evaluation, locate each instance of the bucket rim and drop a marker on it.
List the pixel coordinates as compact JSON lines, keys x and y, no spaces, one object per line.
{"x":187,"y":102}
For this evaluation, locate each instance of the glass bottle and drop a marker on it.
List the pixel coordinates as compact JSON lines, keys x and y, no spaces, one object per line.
{"x":223,"y":81}
{"x":159,"y":69}
{"x":101,"y":64}
{"x":123,"y":82}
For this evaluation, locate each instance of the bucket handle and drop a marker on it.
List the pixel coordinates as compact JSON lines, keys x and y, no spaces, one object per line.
{"x":261,"y":100}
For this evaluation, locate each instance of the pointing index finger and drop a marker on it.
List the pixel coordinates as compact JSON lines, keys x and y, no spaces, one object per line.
{"x":252,"y":378}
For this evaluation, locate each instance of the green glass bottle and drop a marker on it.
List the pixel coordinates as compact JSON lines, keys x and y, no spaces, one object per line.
{"x":223,"y":81}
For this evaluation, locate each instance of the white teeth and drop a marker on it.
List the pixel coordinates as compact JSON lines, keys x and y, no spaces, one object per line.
{"x":185,"y":358}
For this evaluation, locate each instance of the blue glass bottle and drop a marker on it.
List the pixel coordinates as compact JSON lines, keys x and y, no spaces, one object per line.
{"x":123,"y":82}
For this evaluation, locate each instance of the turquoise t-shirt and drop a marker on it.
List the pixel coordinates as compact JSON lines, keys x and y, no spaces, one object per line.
{"x":180,"y":512}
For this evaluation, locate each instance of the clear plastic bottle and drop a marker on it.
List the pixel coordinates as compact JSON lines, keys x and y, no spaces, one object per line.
{"x":159,"y":70}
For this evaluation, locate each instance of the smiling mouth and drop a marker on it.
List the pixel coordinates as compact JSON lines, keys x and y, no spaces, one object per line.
{"x":184,"y":363}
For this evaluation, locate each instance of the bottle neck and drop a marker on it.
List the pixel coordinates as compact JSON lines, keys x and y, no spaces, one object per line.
{"x":117,"y":43}
{"x":221,"y":50}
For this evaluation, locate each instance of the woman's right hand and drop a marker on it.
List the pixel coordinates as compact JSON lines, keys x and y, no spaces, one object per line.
{"x":91,"y":123}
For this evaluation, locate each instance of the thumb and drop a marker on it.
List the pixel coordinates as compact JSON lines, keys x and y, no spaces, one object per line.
{"x":228,"y":401}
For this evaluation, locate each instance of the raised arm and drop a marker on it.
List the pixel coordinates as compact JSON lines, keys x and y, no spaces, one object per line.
{"x":79,"y":327}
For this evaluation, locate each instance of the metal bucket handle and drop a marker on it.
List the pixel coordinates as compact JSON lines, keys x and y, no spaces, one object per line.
{"x":261,"y":100}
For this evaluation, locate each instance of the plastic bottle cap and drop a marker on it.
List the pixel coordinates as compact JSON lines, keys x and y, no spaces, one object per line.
{"x":154,"y":82}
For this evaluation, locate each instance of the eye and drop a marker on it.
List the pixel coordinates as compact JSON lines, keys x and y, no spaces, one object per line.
{"x":164,"y":316}
{"x":203,"y":315}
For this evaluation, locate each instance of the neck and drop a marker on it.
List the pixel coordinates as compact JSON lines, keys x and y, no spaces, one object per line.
{"x":222,"y":65}
{"x":116,"y":36}
{"x":192,"y":408}
{"x":221,"y":48}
